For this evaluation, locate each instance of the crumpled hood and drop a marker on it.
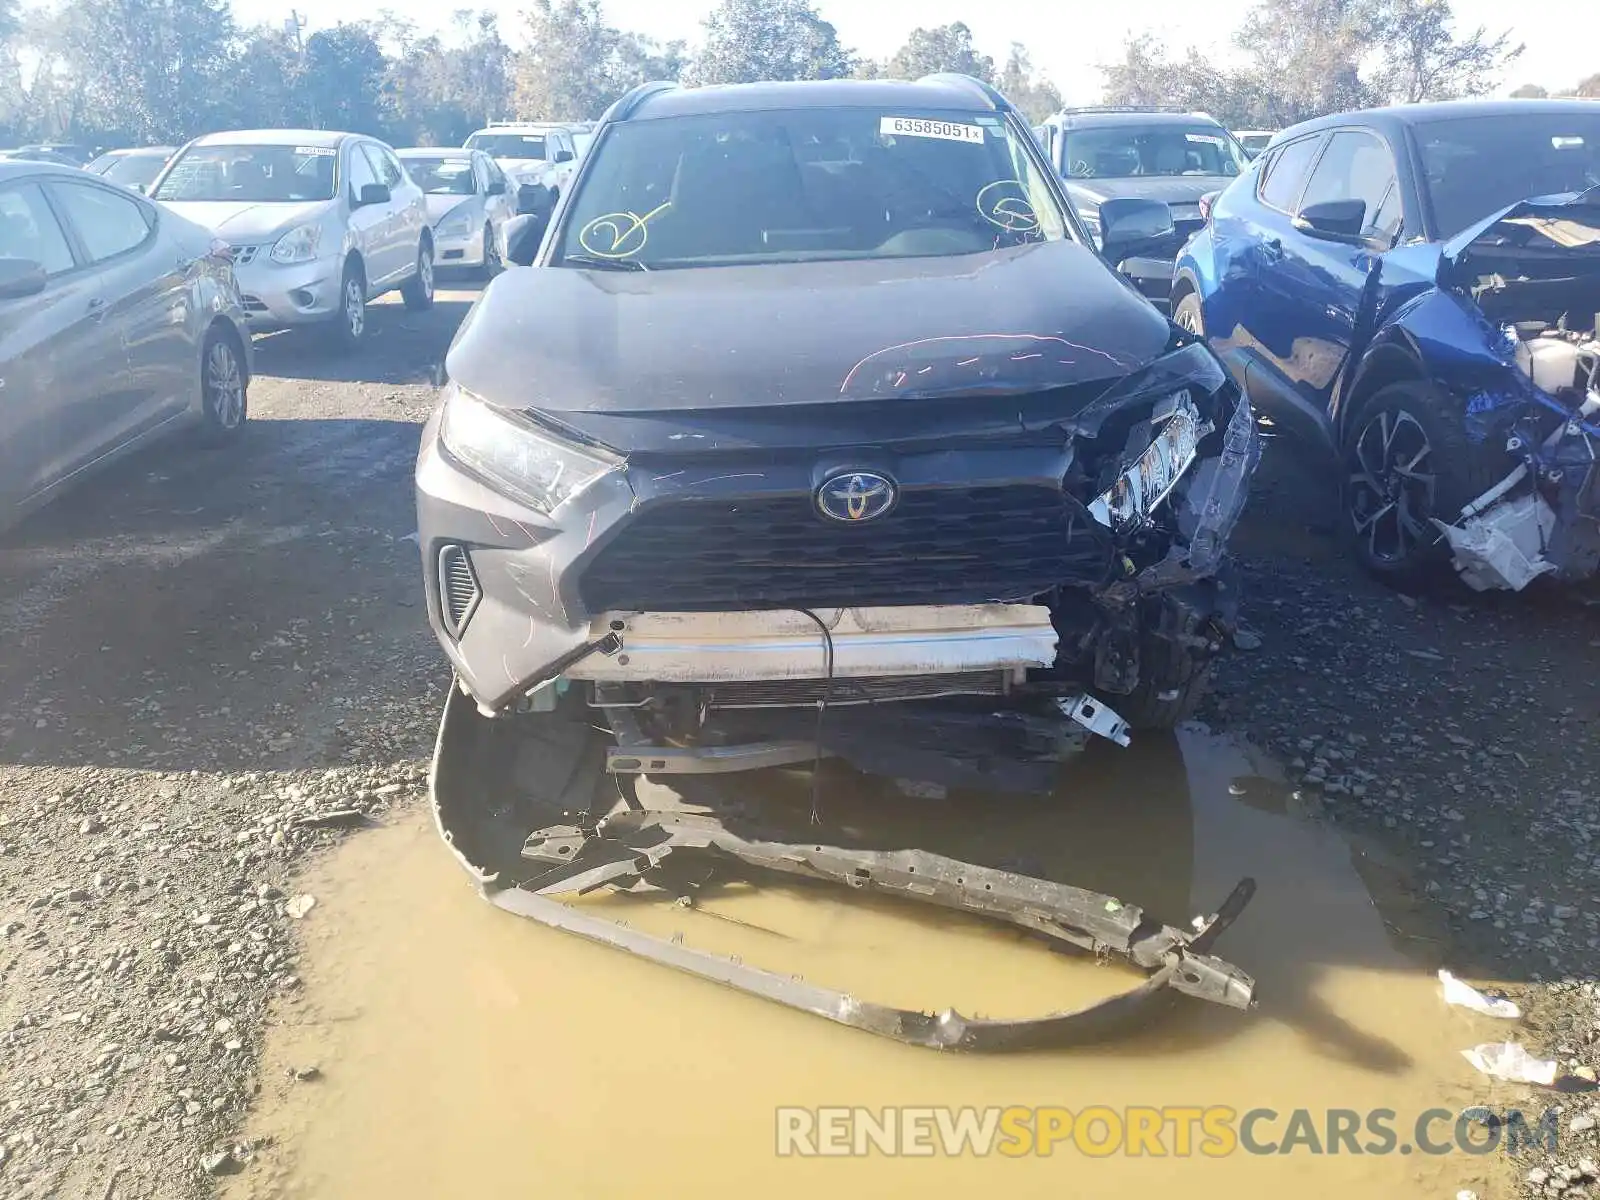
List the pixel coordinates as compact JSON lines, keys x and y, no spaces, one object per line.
{"x":441,"y":205}
{"x":246,"y":221}
{"x":1542,"y":226}
{"x":569,"y":342}
{"x":1173,"y":189}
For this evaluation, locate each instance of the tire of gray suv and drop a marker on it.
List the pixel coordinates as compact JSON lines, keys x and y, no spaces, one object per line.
{"x":349,"y":328}
{"x":418,"y":290}
{"x":1406,"y":459}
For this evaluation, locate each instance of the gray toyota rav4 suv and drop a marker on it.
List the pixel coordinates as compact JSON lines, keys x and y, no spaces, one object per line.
{"x":819,"y":394}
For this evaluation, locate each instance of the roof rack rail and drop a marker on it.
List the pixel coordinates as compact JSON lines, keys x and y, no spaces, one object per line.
{"x":1126,"y":108}
{"x":623,"y":107}
{"x":989,"y":92}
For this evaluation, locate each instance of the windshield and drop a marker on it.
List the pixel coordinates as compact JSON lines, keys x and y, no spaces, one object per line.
{"x":1254,"y":141}
{"x":508,"y":145}
{"x":1475,"y":166}
{"x":1126,"y":151}
{"x":130,"y":170}
{"x":255,"y":174}
{"x":807,"y":184}
{"x":441,"y":176}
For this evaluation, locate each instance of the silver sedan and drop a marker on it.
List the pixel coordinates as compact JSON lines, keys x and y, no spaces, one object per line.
{"x":469,"y":202}
{"x":120,"y":323}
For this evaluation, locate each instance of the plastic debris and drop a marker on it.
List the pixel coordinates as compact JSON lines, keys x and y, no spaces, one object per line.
{"x":1508,"y":1060}
{"x":1464,"y":995}
{"x":299,"y":906}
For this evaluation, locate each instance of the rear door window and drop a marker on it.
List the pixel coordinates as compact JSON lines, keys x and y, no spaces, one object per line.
{"x":1285,"y":172}
{"x":107,"y":223}
{"x":30,"y":232}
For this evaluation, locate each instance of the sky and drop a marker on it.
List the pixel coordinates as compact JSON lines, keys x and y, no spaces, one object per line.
{"x":1064,"y":40}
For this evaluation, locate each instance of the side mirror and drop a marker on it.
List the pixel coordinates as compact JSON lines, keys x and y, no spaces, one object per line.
{"x":1129,"y":225}
{"x":373,"y":193}
{"x":1333,"y":220}
{"x":563,"y":156}
{"x":523,"y":235}
{"x":496,"y":188}
{"x":21,"y":277}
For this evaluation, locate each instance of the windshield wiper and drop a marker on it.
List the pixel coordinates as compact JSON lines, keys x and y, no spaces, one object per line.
{"x":596,"y":262}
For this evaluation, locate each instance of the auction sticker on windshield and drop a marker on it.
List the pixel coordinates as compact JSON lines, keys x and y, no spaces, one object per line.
{"x":951,"y":131}
{"x":316,"y":151}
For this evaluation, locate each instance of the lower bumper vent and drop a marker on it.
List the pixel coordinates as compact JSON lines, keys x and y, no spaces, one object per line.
{"x":458,"y":588}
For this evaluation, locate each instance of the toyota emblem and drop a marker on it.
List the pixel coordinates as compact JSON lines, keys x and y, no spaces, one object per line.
{"x":855,"y":496}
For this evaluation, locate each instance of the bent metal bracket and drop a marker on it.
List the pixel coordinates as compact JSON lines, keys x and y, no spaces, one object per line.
{"x":679,"y":853}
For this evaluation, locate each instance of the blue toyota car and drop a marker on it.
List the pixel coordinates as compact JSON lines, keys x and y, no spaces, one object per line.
{"x":1417,"y":290}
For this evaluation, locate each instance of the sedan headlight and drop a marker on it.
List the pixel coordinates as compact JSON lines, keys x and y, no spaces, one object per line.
{"x":456,"y":224}
{"x":298,"y":245}
{"x":525,"y":462}
{"x":1140,"y":489}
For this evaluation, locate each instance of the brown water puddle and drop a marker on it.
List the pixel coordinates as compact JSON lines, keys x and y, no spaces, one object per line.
{"x":467,"y":1052}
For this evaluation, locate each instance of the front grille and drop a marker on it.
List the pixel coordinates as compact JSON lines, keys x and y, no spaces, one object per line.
{"x":458,"y":588}
{"x":244,"y":254}
{"x":937,"y":546}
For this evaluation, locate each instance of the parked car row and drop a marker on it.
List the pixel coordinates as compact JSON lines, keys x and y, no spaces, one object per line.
{"x":104,"y":347}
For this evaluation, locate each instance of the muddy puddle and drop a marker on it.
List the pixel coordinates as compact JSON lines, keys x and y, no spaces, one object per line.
{"x":467,"y":1052}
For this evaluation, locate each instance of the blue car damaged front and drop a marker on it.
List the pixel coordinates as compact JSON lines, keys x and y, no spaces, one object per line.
{"x":1452,"y":369}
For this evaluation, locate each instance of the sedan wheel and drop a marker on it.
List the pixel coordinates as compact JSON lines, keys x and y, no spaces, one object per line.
{"x":492,"y":264}
{"x":418,"y":290}
{"x":223,"y":385}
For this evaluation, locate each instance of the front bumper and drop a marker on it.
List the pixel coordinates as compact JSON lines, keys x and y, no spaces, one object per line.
{"x":466,"y":250}
{"x":702,"y":569}
{"x":866,"y":643}
{"x":275,"y":295}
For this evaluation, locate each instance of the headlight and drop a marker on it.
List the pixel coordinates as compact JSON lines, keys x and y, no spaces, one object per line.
{"x":298,"y":245}
{"x":1143,"y":486}
{"x":524,"y":462}
{"x":457,"y":224}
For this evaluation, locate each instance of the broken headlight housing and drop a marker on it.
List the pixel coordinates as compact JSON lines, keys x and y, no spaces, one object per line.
{"x":522,"y":460}
{"x":1139,"y":490}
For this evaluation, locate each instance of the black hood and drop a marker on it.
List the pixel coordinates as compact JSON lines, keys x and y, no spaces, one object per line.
{"x":1174,"y":189}
{"x":584,"y":346}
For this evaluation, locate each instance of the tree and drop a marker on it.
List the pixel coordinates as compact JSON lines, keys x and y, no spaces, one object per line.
{"x":266,"y":89}
{"x":1306,"y":56}
{"x":1423,"y":60}
{"x":576,"y":65}
{"x":1037,"y":97}
{"x":945,"y":48}
{"x":344,"y":80}
{"x":1589,"y":89}
{"x":1530,"y":91}
{"x":750,"y":40}
{"x":151,"y":69}
{"x":1147,"y":75}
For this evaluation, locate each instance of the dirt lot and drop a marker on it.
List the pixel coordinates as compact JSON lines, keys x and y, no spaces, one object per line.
{"x":208,"y":653}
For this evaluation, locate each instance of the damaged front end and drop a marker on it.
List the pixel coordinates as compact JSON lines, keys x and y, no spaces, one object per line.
{"x":491,"y":791}
{"x":1532,"y":277}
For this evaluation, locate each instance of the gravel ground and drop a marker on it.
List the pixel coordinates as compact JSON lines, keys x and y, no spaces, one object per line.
{"x":216,"y":662}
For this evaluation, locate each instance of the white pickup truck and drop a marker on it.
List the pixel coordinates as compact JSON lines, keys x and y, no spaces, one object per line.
{"x":540,"y":154}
